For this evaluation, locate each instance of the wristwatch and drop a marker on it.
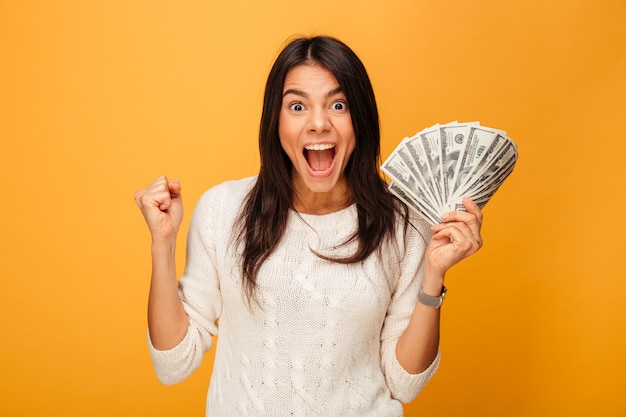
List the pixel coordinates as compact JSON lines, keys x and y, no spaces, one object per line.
{"x":429,"y":300}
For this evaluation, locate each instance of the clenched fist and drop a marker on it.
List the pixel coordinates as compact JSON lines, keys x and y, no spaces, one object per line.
{"x":162,"y":207}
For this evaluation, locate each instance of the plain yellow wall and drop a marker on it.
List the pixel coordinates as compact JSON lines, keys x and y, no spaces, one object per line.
{"x":99,"y":97}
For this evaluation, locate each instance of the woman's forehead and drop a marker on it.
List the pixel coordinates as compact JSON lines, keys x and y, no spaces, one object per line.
{"x":309,"y":78}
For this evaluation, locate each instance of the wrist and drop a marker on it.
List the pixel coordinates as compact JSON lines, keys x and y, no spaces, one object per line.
{"x":432,"y":283}
{"x":164,"y":241}
{"x":162,"y":247}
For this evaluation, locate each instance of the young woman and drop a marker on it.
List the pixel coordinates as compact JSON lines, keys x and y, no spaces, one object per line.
{"x":324,"y":287}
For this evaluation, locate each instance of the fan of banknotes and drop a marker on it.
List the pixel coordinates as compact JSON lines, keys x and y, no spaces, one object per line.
{"x":434,"y":169}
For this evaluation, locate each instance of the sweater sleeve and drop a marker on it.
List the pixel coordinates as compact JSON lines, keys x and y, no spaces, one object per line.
{"x":403,"y":385}
{"x":199,"y":291}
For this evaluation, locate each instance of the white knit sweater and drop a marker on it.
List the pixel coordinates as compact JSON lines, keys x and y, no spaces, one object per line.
{"x":321,"y":341}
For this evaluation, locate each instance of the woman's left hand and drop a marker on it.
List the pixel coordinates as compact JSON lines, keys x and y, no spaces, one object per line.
{"x":455,"y":239}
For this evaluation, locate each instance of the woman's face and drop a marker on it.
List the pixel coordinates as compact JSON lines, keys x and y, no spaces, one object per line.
{"x":316,"y":130}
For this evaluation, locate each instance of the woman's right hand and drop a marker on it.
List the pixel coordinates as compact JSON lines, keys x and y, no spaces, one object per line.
{"x":162,"y":207}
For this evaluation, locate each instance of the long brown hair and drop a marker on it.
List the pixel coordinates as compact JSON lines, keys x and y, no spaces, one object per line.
{"x":263,"y":219}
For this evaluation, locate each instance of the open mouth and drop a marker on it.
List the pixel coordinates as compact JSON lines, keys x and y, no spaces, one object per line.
{"x":319,"y":156}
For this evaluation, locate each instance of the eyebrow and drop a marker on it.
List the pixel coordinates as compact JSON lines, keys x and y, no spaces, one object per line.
{"x":305,"y":95}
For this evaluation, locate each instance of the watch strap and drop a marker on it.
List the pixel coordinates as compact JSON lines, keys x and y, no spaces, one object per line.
{"x":429,"y":300}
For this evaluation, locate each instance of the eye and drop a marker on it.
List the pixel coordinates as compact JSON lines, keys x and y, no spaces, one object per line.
{"x":297,"y":107}
{"x":339,"y":105}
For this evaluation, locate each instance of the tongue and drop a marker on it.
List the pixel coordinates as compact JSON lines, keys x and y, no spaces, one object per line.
{"x":320,"y":160}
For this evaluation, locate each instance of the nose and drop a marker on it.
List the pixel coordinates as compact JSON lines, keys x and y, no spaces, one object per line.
{"x":319,"y":121}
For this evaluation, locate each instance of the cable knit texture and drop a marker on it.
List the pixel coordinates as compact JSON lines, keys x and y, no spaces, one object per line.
{"x":322,"y":339}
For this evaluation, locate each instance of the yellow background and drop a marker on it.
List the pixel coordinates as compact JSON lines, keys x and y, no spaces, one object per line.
{"x":99,"y":97}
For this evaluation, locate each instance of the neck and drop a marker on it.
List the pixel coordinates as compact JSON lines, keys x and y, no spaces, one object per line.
{"x":309,"y":202}
{"x":319,"y":207}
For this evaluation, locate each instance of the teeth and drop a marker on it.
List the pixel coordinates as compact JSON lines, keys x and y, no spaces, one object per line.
{"x":319,"y":147}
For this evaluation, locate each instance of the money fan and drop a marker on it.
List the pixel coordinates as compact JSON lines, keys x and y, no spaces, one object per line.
{"x":434,"y":169}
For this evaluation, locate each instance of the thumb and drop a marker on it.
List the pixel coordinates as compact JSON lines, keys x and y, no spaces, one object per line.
{"x":174,"y":197}
{"x":175,"y":188}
